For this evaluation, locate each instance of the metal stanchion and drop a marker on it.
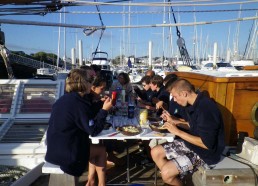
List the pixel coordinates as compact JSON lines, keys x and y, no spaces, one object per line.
{"x":156,"y":170}
{"x":128,"y":159}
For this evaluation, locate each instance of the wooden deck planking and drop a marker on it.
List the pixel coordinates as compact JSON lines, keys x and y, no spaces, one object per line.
{"x":139,"y":174}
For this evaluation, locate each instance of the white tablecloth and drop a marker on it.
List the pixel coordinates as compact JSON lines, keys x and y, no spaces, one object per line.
{"x":146,"y":134}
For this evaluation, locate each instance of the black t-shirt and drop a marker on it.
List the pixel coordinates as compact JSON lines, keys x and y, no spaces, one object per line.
{"x":205,"y":121}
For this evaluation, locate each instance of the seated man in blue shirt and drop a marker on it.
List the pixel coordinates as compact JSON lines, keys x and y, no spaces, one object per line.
{"x":202,"y":145}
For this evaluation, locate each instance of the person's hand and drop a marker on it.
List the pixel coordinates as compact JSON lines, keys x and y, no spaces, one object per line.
{"x":107,"y":104}
{"x":150,"y":107}
{"x":171,"y":127}
{"x":159,"y":105}
{"x":104,"y":98}
{"x":170,"y":118}
{"x":139,"y":99}
{"x":166,"y":116}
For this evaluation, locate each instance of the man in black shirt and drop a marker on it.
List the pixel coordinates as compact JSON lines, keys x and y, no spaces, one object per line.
{"x":202,"y":145}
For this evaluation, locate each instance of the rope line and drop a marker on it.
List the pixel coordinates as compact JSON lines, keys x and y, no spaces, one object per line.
{"x":102,"y":30}
{"x":36,"y":23}
{"x":9,"y":174}
{"x":156,"y":4}
{"x":160,"y":12}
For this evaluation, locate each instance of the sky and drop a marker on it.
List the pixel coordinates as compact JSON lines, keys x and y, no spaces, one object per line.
{"x":199,"y":39}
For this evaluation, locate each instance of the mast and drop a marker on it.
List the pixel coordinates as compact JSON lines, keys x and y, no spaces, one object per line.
{"x":170,"y":36}
{"x":111,"y":45}
{"x":252,"y":46}
{"x":64,"y":43}
{"x":58,"y":42}
{"x":228,"y":50}
{"x":163,"y":35}
{"x":129,"y":30}
{"x":236,"y":49}
{"x":194,"y":40}
{"x":121,"y":63}
{"x":123,"y":34}
{"x":201,"y":49}
{"x":206,"y":46}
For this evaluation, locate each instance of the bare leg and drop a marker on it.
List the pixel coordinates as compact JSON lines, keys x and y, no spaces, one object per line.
{"x":91,"y":175}
{"x":97,"y":163}
{"x":169,"y":174}
{"x":159,"y":156}
{"x":101,"y":165}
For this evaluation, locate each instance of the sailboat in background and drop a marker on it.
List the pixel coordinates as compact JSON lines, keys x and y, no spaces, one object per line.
{"x":246,"y":60}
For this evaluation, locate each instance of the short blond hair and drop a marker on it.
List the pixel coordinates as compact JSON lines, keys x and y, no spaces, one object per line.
{"x":77,"y":80}
{"x":182,"y":85}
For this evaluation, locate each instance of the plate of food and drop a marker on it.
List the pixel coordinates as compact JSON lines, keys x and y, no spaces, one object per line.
{"x":158,"y":127}
{"x":130,"y":130}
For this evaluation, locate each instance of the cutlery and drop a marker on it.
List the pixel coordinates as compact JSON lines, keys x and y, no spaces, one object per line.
{"x":113,"y":134}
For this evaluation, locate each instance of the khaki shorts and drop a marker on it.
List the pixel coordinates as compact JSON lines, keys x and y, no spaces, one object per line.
{"x":186,"y":160}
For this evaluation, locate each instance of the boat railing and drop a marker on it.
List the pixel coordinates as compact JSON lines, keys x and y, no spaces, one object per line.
{"x":25,"y":98}
{"x":14,"y":58}
{"x":25,"y":107}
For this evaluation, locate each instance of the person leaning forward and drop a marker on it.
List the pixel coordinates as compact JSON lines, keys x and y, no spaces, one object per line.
{"x":202,"y":145}
{"x":68,"y":143}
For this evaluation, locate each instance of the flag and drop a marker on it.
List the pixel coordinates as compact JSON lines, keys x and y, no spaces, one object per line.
{"x":129,"y":63}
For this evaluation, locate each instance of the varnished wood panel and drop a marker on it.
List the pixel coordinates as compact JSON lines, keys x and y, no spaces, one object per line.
{"x":252,"y":86}
{"x":244,"y":100}
{"x":220,"y":93}
{"x":245,"y":125}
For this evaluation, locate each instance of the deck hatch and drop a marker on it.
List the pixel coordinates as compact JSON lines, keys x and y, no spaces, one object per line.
{"x":25,"y":133}
{"x":6,"y":97}
{"x":38,"y":98}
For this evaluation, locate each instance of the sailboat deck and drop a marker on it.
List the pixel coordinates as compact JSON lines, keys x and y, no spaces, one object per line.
{"x":140,"y":174}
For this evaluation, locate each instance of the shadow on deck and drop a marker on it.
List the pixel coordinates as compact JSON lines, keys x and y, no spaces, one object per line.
{"x":117,"y":175}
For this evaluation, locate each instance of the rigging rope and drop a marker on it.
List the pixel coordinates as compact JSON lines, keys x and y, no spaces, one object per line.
{"x":76,"y":2}
{"x":36,"y":23}
{"x":248,"y":40}
{"x":102,"y":30}
{"x":9,"y":174}
{"x":181,"y":43}
{"x":159,"y":12}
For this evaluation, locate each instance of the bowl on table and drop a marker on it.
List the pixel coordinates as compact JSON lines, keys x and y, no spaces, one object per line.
{"x":130,"y":130}
{"x":158,"y":127}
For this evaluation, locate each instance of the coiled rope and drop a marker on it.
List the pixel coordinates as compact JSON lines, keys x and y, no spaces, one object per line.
{"x":9,"y":174}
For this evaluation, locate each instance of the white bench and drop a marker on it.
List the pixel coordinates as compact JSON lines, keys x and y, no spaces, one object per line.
{"x":228,"y":171}
{"x":58,"y":177}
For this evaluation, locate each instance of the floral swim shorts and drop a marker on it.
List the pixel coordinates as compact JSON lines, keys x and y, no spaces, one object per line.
{"x":186,"y":160}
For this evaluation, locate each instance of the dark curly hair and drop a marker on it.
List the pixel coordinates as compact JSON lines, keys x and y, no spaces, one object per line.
{"x":125,"y":76}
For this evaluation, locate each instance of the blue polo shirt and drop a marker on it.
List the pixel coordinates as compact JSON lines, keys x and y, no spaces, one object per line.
{"x":205,"y":121}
